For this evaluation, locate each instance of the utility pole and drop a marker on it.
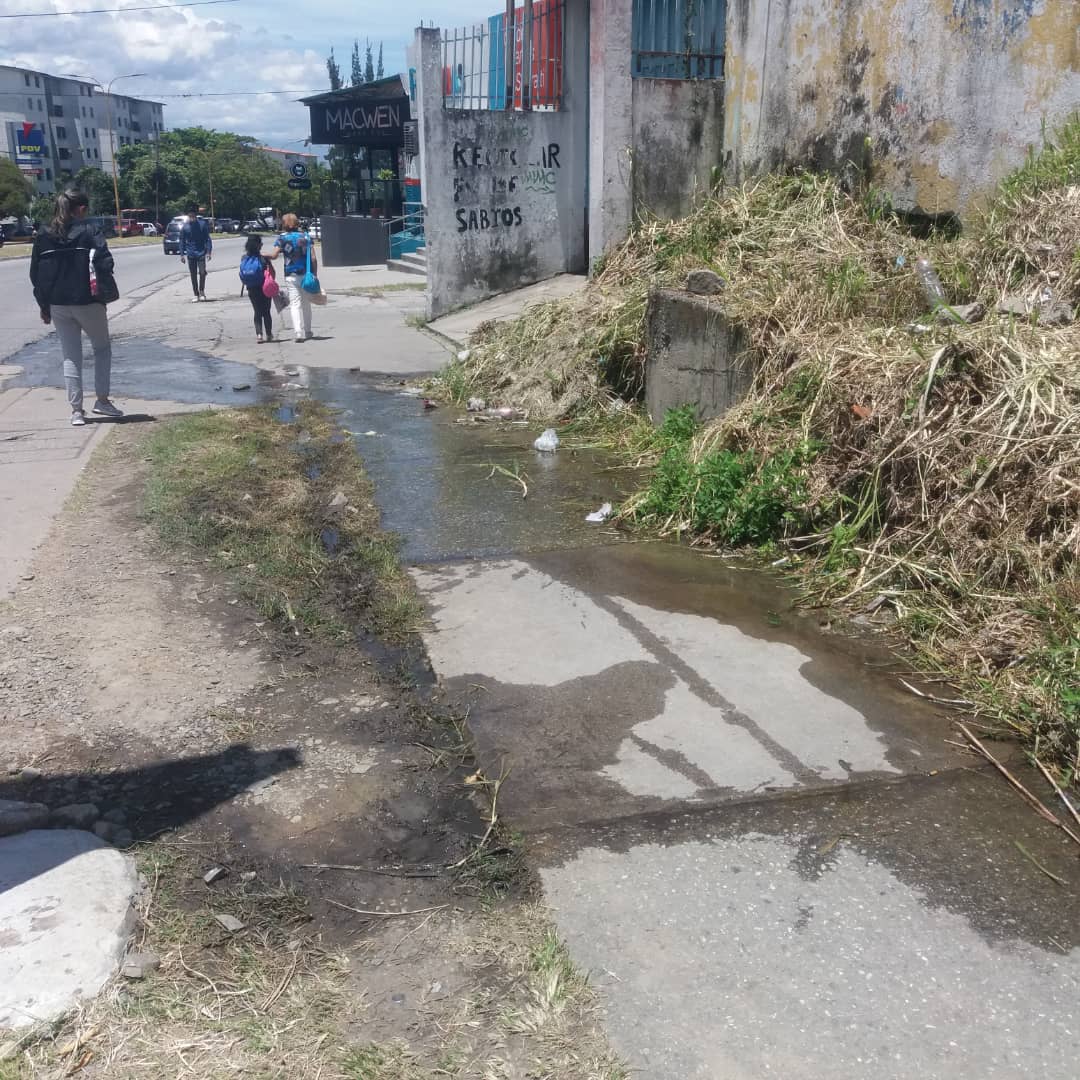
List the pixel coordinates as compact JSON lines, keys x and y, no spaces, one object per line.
{"x":112,"y":134}
{"x":157,"y":178}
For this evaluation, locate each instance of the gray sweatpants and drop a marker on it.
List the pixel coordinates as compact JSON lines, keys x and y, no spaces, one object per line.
{"x":70,"y":321}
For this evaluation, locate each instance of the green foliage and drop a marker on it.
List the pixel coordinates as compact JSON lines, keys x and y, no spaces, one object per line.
{"x":98,"y":186}
{"x":42,"y":208}
{"x":736,"y":497}
{"x":180,"y":168}
{"x":15,"y":190}
{"x":333,"y":72}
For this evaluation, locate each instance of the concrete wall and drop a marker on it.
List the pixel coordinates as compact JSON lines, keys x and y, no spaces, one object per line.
{"x":611,"y":124}
{"x":653,"y":143}
{"x":678,"y":140}
{"x":504,"y":192}
{"x":951,"y":93}
{"x":694,"y":355}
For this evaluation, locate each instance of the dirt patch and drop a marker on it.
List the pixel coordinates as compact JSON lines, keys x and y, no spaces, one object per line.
{"x":338,"y":802}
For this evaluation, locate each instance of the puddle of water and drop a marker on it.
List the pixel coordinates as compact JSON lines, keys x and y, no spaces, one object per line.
{"x":437,"y":487}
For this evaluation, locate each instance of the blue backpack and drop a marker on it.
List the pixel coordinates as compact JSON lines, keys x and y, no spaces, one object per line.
{"x":252,"y":271}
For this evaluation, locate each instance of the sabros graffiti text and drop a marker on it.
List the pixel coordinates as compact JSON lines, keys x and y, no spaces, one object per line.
{"x":496,"y":218}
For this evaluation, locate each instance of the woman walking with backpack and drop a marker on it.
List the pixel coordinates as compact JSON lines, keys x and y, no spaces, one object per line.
{"x":71,"y":271}
{"x":255,"y":268}
{"x":295,"y":246}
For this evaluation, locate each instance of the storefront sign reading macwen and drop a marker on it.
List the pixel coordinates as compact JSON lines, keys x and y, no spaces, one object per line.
{"x":371,"y":122}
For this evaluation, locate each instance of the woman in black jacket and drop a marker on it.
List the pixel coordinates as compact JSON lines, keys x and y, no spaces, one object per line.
{"x":60,"y":271}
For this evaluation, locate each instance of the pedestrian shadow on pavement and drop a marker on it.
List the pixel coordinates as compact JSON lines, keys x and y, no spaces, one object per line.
{"x":155,"y":798}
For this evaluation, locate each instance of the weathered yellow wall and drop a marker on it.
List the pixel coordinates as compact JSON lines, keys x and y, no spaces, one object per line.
{"x":950,"y":93}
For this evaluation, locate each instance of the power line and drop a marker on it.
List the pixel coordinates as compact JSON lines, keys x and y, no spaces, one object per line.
{"x":237,"y":93}
{"x":105,"y":11}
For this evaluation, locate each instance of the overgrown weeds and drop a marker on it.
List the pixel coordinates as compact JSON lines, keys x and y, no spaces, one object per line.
{"x":907,"y":462}
{"x":286,"y":509}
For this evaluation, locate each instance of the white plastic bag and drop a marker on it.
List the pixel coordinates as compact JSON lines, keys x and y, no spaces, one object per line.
{"x":599,"y":515}
{"x":548,"y":442}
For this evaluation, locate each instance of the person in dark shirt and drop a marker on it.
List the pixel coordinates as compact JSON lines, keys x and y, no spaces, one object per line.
{"x":196,"y":247}
{"x":71,"y":271}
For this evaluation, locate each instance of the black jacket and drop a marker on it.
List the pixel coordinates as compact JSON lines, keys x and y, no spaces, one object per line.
{"x":60,"y":265}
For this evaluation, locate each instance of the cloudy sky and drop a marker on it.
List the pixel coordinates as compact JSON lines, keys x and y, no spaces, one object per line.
{"x":220,"y":49}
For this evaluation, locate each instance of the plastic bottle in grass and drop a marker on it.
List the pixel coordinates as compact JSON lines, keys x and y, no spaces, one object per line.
{"x":931,"y":283}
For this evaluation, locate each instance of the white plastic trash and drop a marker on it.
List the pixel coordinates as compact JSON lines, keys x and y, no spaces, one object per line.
{"x":599,"y":515}
{"x":548,"y":442}
{"x":463,"y":355}
{"x":476,"y":404}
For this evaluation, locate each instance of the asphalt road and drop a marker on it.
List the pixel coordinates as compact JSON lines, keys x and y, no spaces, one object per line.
{"x":139,"y":270}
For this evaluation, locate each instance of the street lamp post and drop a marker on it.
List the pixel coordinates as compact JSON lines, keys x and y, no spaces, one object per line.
{"x":112,"y":134}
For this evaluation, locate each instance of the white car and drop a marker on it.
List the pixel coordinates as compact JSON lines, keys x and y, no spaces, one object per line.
{"x":148,"y":228}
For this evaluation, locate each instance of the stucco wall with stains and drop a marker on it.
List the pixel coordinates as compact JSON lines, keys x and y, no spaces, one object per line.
{"x":941,"y":97}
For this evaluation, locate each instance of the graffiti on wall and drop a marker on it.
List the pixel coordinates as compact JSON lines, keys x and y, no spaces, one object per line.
{"x":487,"y":180}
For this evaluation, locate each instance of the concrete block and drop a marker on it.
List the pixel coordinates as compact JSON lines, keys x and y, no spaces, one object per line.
{"x":695,"y":355}
{"x":65,"y":916}
{"x":16,"y":817}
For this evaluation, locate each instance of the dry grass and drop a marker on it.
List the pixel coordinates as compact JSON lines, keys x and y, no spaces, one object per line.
{"x":255,"y":493}
{"x":905,"y":461}
{"x":268,"y":1001}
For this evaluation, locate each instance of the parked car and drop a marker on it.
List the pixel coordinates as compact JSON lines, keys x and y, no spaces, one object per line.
{"x":149,"y":228}
{"x":171,"y":241}
{"x":254,"y":226}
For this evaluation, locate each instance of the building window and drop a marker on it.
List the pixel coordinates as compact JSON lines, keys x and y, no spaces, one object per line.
{"x":48,"y":174}
{"x":58,"y":110}
{"x":86,"y":133}
{"x":27,"y":78}
{"x":30,"y":104}
{"x":37,"y":82}
{"x":41,"y":108}
{"x":61,"y":131}
{"x":91,"y":110}
{"x":679,"y":39}
{"x":64,"y":153}
{"x":93,"y":133}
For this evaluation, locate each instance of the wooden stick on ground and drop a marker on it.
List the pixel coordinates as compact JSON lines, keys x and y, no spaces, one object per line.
{"x":1035,"y":803}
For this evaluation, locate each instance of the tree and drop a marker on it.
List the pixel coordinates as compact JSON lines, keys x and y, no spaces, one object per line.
{"x":42,"y":208}
{"x":369,"y":65}
{"x":333,"y":72}
{"x":379,"y":70}
{"x":357,"y":67}
{"x":14,"y":190}
{"x":99,"y":189}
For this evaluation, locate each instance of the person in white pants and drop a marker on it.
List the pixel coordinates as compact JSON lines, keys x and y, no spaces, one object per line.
{"x":293,"y":245}
{"x":71,"y":269}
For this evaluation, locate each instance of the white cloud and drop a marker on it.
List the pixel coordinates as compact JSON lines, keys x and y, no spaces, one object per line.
{"x":241,"y":47}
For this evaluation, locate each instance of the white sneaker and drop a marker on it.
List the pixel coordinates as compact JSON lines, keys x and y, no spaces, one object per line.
{"x":309,"y":335}
{"x":202,"y":296}
{"x":78,"y":419}
{"x":104,"y":407}
{"x":195,"y":299}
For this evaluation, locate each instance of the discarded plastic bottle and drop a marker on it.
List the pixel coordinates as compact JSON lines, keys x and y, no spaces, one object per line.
{"x":931,"y":283}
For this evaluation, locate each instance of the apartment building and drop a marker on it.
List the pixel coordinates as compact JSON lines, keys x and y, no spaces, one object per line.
{"x":54,"y":125}
{"x":287,"y":158}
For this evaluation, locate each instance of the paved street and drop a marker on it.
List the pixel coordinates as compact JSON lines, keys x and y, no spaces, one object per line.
{"x":139,"y":272}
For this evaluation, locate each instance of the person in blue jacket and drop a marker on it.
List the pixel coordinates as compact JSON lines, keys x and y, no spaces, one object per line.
{"x":195,"y":249}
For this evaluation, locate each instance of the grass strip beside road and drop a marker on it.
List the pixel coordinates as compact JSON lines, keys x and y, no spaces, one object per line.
{"x":286,"y":508}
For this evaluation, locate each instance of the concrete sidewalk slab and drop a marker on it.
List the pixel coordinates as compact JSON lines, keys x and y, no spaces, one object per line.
{"x":65,"y":916}
{"x":41,"y":456}
{"x":893,"y":930}
{"x":644,"y":677}
{"x":460,"y":325}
